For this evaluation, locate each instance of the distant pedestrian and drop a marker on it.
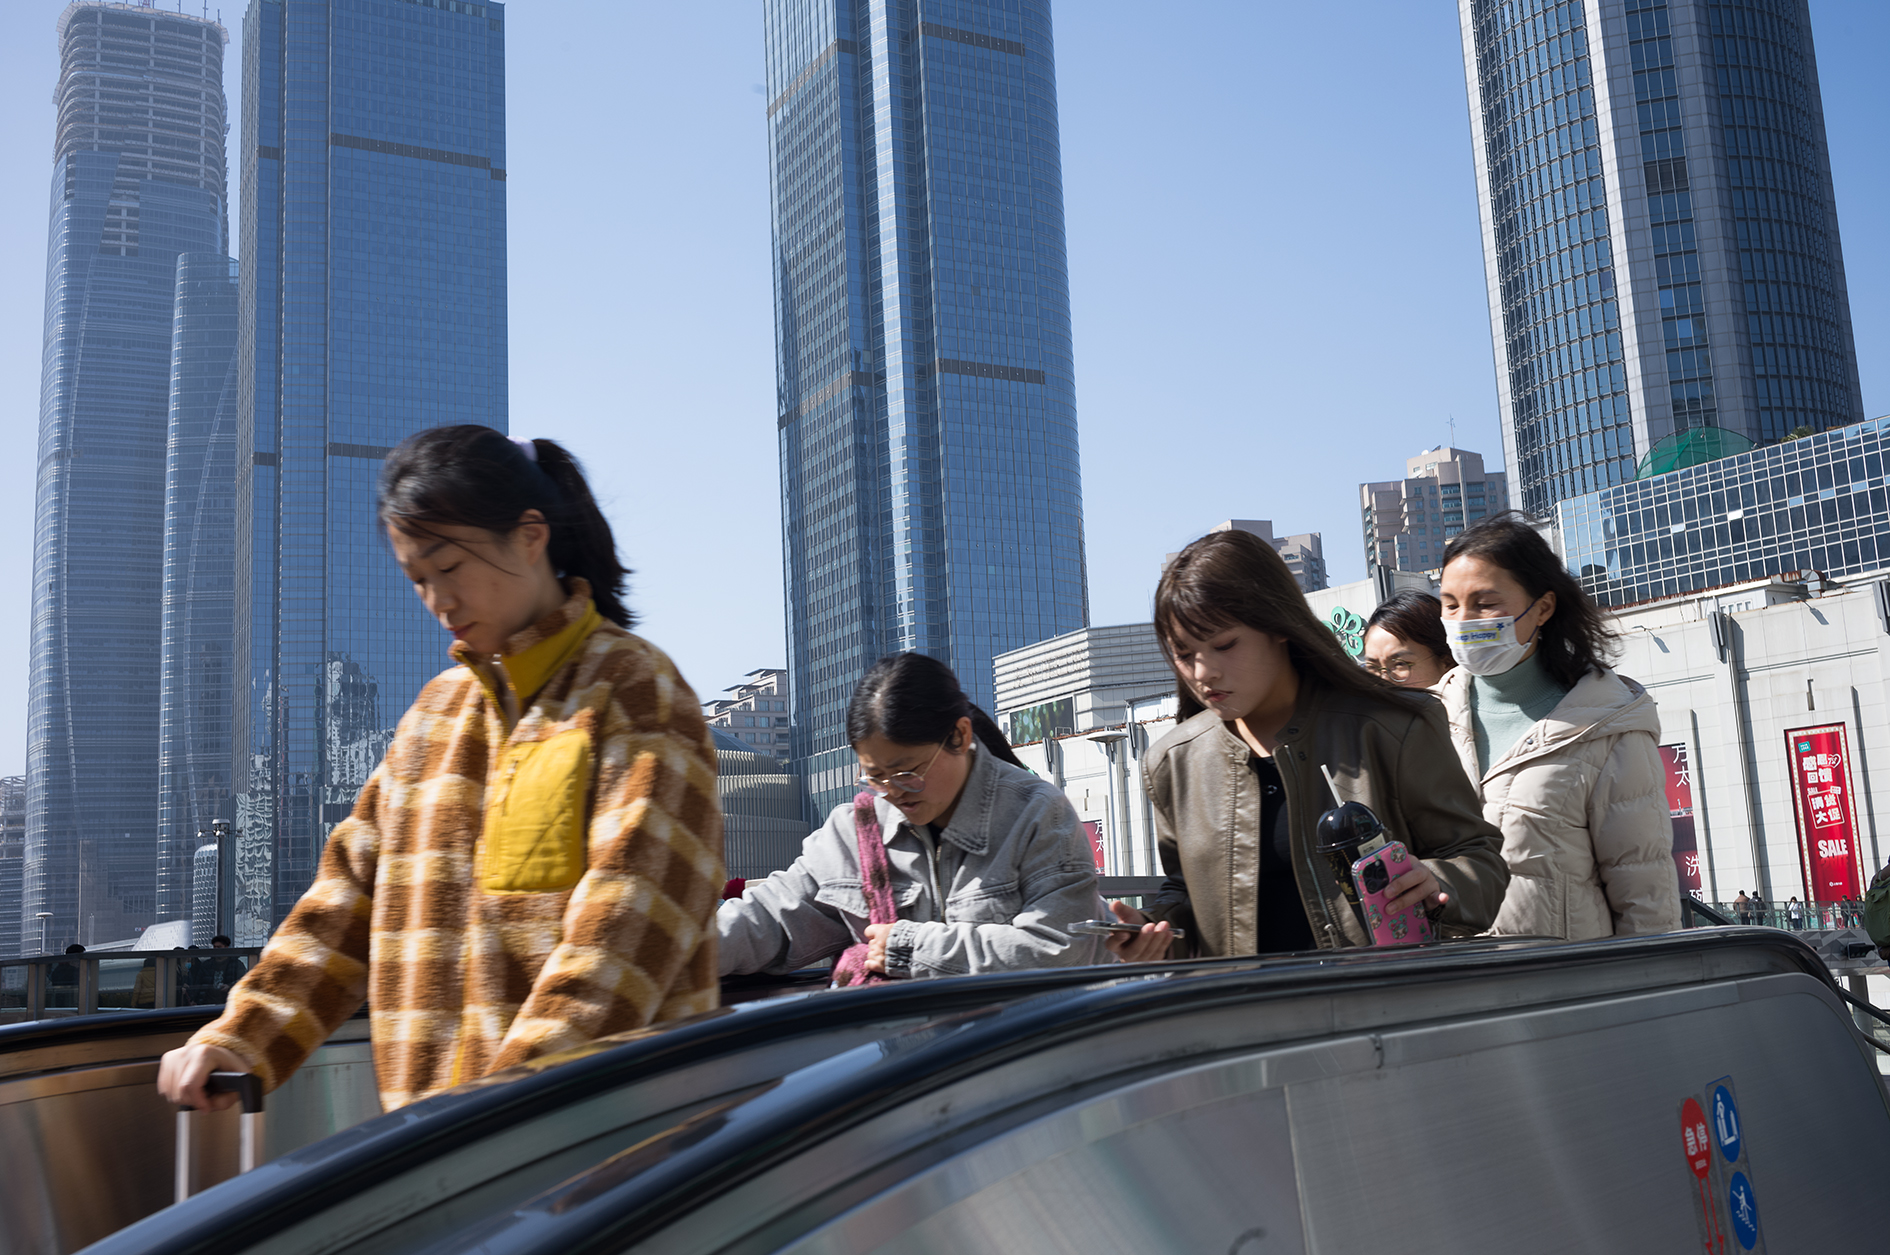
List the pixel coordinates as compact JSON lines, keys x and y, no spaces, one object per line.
{"x":1742,"y":908}
{"x":1795,"y":912}
{"x":1760,"y":910}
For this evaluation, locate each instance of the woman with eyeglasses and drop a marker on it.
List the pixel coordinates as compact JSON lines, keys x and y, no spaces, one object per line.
{"x":1404,"y":640}
{"x":953,"y":859}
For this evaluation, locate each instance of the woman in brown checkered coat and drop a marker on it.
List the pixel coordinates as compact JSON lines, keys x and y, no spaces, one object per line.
{"x":537,"y":860}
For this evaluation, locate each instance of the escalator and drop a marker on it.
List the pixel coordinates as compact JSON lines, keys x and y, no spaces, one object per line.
{"x":1493,"y":1096}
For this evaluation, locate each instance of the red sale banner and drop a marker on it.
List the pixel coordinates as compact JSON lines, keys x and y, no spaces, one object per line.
{"x":1686,"y":845}
{"x":1827,"y":821}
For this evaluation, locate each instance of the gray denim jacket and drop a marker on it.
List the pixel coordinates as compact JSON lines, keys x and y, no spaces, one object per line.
{"x":997,"y":892}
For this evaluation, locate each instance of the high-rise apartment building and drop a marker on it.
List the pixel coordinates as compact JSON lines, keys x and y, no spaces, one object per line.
{"x":755,"y":712}
{"x":1660,"y":236}
{"x":1408,"y":521}
{"x":931,"y":497}
{"x":138,"y":179}
{"x":372,"y":305}
{"x":1304,"y":553}
{"x":194,"y":749}
{"x":14,"y":937}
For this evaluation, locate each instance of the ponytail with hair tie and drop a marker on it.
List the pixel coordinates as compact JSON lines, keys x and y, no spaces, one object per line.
{"x":467,"y":475}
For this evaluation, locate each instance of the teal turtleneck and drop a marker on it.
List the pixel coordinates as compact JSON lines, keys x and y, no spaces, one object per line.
{"x":1504,"y":707}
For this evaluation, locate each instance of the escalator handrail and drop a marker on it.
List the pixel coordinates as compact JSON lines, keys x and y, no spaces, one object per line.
{"x":101,"y":1025}
{"x":1872,"y":1012}
{"x":709,"y":1163}
{"x":304,"y":1183}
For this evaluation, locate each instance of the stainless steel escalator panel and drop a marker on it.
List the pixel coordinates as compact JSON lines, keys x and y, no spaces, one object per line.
{"x":1548,"y":1131}
{"x":89,"y":1148}
{"x":831,"y":1143}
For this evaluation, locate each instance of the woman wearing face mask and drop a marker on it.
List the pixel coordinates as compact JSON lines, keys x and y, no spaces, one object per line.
{"x":1561,"y":748}
{"x":1267,"y":697}
{"x":953,"y":859}
{"x":537,"y":859}
{"x":1404,"y":641}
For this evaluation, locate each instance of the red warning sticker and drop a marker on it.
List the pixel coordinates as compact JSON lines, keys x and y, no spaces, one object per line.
{"x":1699,"y":1150}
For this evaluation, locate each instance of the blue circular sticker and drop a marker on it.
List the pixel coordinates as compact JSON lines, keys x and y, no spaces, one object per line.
{"x":1744,"y":1210}
{"x":1726,"y":1124}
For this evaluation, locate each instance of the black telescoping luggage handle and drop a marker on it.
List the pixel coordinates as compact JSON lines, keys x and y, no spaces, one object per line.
{"x":247,"y":1087}
{"x":249,"y":1093}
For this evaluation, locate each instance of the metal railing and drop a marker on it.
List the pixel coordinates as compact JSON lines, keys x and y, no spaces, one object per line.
{"x":1809,"y":916}
{"x":54,"y":985}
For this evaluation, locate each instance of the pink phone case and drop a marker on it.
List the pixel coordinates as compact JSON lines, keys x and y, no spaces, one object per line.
{"x":1406,"y":927}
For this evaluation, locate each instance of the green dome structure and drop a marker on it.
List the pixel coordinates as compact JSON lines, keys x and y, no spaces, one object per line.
{"x":1692,"y":447}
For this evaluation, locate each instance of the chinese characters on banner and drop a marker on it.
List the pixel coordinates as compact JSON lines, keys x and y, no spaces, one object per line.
{"x":1686,"y":845}
{"x":1827,"y":825}
{"x":1094,"y":830}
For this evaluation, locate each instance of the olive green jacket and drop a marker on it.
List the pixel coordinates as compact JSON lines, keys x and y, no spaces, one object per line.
{"x":1396,"y":759}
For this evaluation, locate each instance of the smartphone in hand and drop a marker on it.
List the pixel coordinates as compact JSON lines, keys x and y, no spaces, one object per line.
{"x":1373,"y":875}
{"x":1112,"y":927}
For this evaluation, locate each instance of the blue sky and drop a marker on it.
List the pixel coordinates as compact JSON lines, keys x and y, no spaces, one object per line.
{"x":1276,"y":282}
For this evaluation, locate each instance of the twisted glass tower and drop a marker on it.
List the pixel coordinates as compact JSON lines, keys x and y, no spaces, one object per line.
{"x":138,"y":179}
{"x":1660,"y":233}
{"x":931,"y":497}
{"x":372,"y":305}
{"x":194,"y":750}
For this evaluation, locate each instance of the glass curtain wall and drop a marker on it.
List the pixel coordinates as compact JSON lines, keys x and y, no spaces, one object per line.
{"x":1660,"y":230}
{"x":1781,"y":205}
{"x":931,"y":493}
{"x":194,"y":749}
{"x":1548,"y":211}
{"x":373,"y":305}
{"x":138,"y":178}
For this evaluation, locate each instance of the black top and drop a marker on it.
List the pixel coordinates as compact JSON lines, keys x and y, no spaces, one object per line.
{"x":1282,"y":925}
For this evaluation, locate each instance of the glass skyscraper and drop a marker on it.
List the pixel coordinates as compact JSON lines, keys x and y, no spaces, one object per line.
{"x":1660,"y":234}
{"x":372,"y":305}
{"x":194,"y":751}
{"x":931,"y":497}
{"x":138,"y":178}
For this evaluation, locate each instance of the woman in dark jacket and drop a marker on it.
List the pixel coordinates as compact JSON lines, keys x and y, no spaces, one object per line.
{"x":1267,"y":697}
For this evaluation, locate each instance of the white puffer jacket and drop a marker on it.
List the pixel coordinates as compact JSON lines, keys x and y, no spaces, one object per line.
{"x":1583,"y":810}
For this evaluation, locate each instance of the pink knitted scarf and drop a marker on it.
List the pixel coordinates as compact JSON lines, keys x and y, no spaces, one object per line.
{"x":875,"y":883}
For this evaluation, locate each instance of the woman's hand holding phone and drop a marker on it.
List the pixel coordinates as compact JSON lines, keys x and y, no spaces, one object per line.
{"x":1415,"y":891}
{"x":1146,"y":946}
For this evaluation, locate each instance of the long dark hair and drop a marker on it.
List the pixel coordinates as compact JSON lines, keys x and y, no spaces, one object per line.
{"x":1233,"y":577}
{"x":1414,"y":617}
{"x":472,"y":476}
{"x":1575,"y":640}
{"x":911,"y":699}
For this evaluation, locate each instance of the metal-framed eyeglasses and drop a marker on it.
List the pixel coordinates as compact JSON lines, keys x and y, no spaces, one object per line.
{"x":1395,"y":670}
{"x":903,"y":781}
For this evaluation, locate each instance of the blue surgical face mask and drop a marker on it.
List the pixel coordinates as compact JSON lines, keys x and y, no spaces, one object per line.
{"x":1488,"y":646}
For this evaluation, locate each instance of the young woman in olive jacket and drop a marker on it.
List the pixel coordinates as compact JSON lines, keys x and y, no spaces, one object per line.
{"x":1267,"y":697}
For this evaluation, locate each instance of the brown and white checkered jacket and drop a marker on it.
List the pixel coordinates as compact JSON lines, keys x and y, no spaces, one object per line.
{"x":500,"y":895}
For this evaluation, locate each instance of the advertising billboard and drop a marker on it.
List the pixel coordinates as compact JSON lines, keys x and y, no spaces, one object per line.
{"x":1827,"y":820}
{"x":1686,"y":843}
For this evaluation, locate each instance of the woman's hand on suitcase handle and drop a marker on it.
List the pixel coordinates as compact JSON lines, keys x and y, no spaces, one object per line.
{"x":183,"y":1072}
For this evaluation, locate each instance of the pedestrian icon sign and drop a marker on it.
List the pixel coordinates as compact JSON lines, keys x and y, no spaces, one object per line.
{"x":1744,"y":1210}
{"x":1726,"y":1124}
